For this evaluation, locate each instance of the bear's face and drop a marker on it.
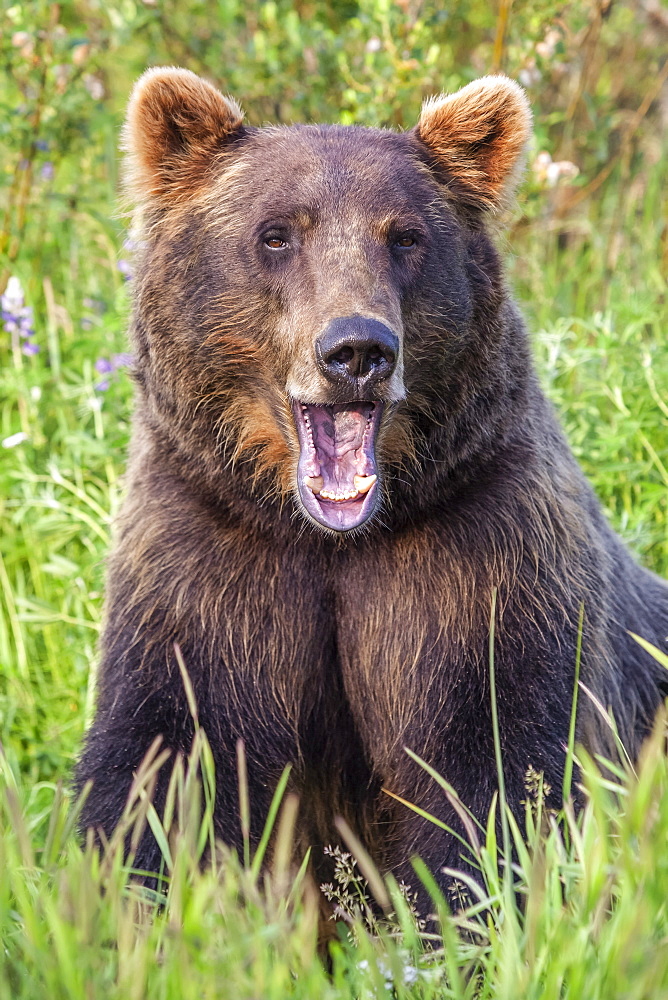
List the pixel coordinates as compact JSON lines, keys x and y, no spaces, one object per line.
{"x":318,"y":270}
{"x":337,"y":230}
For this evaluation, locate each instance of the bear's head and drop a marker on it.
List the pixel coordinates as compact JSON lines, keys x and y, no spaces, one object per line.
{"x":319,"y":312}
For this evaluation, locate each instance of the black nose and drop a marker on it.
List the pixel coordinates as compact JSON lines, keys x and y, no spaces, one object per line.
{"x":357,"y":352}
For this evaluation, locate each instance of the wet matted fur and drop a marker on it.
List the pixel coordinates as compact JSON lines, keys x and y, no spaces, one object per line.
{"x":319,"y":518}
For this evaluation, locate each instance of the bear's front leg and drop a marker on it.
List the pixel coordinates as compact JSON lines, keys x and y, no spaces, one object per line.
{"x":251,"y":622}
{"x":125,"y":728}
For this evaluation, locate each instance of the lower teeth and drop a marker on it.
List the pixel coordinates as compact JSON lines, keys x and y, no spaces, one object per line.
{"x":362,"y":485}
{"x":337,"y":497}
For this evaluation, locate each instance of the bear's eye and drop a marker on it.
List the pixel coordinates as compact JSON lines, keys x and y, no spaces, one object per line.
{"x":405,"y":240}
{"x":275,"y":242}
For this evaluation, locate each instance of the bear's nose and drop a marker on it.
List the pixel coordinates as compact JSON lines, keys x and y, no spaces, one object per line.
{"x":357,"y":352}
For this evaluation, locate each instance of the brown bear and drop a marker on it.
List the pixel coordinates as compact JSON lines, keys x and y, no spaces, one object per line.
{"x":340,"y":452}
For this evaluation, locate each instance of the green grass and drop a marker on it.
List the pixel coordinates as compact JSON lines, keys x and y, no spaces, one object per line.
{"x":595,"y":924}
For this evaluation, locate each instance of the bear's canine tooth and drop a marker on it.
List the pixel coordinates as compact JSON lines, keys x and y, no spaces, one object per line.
{"x":314,"y":483}
{"x":364,"y":483}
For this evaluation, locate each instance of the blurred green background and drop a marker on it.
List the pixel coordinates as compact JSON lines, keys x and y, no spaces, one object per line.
{"x":587,"y":253}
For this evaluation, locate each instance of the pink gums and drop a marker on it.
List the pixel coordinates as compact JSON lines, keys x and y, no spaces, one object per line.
{"x":337,"y":443}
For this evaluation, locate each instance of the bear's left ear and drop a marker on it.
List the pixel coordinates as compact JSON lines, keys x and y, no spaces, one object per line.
{"x":476,"y":137}
{"x":176,"y":124}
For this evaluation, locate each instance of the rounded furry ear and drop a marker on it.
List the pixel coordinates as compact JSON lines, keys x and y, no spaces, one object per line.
{"x":476,"y":137}
{"x":175,"y":124}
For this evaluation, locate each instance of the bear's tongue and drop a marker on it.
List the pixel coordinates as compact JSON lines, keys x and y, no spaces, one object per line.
{"x":337,"y":465}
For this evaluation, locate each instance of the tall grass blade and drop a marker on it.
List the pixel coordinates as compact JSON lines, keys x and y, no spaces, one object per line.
{"x":244,"y":801}
{"x":570,"y":749}
{"x":658,"y":655}
{"x":277,"y":798}
{"x":503,"y":806}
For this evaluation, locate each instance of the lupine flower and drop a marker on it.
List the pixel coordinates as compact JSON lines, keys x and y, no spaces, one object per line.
{"x":132,"y":245}
{"x":16,"y":316}
{"x":47,"y":173}
{"x":125,"y":267}
{"x":122,"y":360}
{"x":109,"y":366}
{"x":103,"y":366}
{"x":29,"y":349}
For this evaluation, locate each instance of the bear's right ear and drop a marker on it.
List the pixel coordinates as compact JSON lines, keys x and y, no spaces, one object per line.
{"x":175,"y":124}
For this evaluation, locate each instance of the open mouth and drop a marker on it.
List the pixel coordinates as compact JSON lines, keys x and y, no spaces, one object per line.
{"x":337,"y":474}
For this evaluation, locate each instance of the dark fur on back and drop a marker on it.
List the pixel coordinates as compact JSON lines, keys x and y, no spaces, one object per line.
{"x":334,"y":652}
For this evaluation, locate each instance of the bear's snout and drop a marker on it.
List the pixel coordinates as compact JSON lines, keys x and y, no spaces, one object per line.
{"x":357,"y":353}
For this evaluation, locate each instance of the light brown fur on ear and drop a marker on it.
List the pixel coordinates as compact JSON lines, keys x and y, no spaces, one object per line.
{"x":175,"y":124}
{"x":477,"y":135}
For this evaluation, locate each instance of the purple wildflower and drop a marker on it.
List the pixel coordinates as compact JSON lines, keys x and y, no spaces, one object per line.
{"x":16,"y":316}
{"x":125,"y":267}
{"x":123,"y":360}
{"x":93,"y":304}
{"x":42,"y":145}
{"x":47,"y":172}
{"x":29,"y":348}
{"x":109,"y":366}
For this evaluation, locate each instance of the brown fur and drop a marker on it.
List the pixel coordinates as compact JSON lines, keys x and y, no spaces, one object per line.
{"x":478,"y":135}
{"x":335,"y":651}
{"x":169,"y":148}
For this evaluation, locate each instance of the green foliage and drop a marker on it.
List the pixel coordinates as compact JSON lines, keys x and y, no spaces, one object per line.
{"x":589,"y":265}
{"x":583,"y":915}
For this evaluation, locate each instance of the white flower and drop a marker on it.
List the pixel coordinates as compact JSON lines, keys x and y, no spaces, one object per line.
{"x":411,"y":975}
{"x":530,"y":75}
{"x":13,"y":297}
{"x":561,"y":168}
{"x":551,"y":171}
{"x":14,"y":439}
